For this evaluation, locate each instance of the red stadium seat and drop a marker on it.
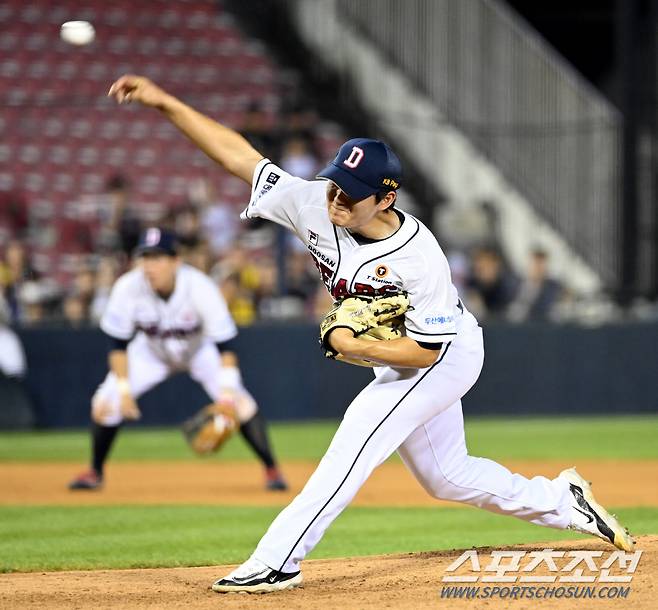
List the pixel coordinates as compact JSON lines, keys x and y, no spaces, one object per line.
{"x":61,"y":138}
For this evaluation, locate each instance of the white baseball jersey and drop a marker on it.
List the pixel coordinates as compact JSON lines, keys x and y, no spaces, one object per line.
{"x":176,"y":328}
{"x":414,"y":411}
{"x":177,"y":334}
{"x":410,"y":260}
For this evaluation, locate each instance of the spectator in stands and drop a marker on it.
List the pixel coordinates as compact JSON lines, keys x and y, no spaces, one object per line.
{"x":240,"y":302}
{"x":121,"y":229}
{"x":302,"y":278}
{"x":249,"y":277}
{"x":75,"y":309}
{"x":84,"y":284}
{"x":15,"y":271}
{"x":193,"y":247}
{"x":187,"y":225}
{"x":219,"y":221}
{"x":266,"y":287}
{"x":32,"y":300}
{"x":106,"y":275}
{"x":299,"y":120}
{"x":257,"y":130}
{"x":539,"y":294}
{"x":238,"y":278}
{"x":468,"y":224}
{"x":491,"y":287}
{"x":459,"y":269}
{"x":75,"y":306}
{"x":298,"y":159}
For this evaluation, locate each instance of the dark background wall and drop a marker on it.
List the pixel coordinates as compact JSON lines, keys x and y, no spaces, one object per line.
{"x":529,"y":369}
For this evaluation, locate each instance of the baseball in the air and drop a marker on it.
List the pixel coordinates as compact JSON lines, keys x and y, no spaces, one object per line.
{"x":77,"y":32}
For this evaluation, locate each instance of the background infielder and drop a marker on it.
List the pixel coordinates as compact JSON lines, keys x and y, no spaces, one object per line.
{"x":164,"y":317}
{"x":362,"y":244}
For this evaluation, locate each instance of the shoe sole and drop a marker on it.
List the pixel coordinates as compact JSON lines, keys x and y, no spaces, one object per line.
{"x":263,"y":587}
{"x":74,"y":487}
{"x":623,"y":539}
{"x":276,"y":486}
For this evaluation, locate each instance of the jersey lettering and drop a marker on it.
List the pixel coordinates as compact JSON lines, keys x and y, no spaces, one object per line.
{"x":153,"y":330}
{"x":355,"y":157}
{"x":325,"y":272}
{"x":377,"y":280}
{"x":319,"y":255}
{"x":340,"y":291}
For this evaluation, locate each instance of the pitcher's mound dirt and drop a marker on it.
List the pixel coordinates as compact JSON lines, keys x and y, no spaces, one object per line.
{"x":403,"y":582}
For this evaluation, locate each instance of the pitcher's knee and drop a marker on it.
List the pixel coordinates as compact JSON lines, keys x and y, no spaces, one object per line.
{"x":245,"y":406}
{"x":452,"y":480}
{"x":104,"y":412}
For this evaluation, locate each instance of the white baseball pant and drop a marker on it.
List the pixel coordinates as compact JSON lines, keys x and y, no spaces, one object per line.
{"x":417,"y":412}
{"x":146,"y":370}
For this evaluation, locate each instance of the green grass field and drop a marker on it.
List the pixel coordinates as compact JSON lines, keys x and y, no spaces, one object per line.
{"x":518,"y":438}
{"x":75,"y":537}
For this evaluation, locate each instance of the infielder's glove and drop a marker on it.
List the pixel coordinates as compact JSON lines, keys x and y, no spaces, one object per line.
{"x":212,"y":426}
{"x":372,"y":318}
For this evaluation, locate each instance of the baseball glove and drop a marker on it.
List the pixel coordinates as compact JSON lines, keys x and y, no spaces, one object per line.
{"x":212,"y":426}
{"x":374,"y":319}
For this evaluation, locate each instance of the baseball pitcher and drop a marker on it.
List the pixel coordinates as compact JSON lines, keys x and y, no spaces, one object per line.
{"x":396,"y":311}
{"x":165,"y":317}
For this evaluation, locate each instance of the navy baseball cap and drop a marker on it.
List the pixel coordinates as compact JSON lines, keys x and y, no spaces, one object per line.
{"x":364,"y":167}
{"x":156,"y":240}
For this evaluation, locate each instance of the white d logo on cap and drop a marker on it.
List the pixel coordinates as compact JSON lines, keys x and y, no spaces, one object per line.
{"x":152,"y":237}
{"x":355,"y":157}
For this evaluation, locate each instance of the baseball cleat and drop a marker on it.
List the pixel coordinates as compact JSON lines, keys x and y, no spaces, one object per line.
{"x":589,"y":517}
{"x":253,"y":576}
{"x":274,"y":481}
{"x":89,"y":479}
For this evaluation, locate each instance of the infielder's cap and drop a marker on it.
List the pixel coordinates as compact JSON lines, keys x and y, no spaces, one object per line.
{"x":154,"y":239}
{"x":364,"y":167}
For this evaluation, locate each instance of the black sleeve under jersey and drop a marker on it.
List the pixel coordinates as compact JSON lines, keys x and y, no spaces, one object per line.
{"x":434,"y":346}
{"x":226,"y":346}
{"x":115,"y":344}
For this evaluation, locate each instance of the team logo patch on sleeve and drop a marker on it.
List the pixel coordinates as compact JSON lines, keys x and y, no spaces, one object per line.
{"x":273,"y":178}
{"x":312,"y":237}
